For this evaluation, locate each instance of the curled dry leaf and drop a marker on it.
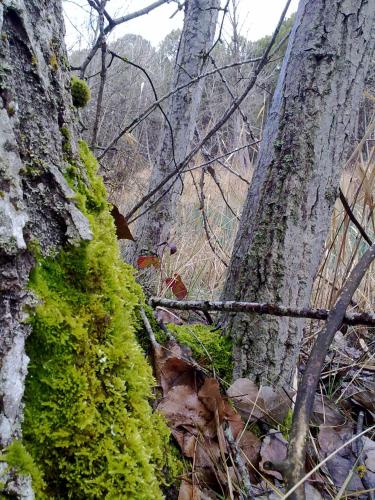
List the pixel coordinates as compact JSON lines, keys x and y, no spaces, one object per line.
{"x":144,"y":261}
{"x":122,"y":228}
{"x":273,"y":451}
{"x":163,"y":315}
{"x":189,"y":491}
{"x":177,"y":286}
{"x":210,"y":396}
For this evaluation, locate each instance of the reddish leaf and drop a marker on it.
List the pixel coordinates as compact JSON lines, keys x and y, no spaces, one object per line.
{"x":177,"y":286}
{"x":147,"y":261}
{"x":122,"y":228}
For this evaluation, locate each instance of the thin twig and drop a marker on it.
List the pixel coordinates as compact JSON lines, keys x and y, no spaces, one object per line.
{"x":243,"y":470}
{"x":228,"y":113}
{"x":353,"y":218}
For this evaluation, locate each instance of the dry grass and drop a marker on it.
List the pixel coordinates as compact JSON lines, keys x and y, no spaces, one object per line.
{"x":203,"y":251}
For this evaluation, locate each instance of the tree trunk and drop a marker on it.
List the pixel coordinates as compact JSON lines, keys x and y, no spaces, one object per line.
{"x":196,"y":40}
{"x":34,"y":196}
{"x":289,"y":204}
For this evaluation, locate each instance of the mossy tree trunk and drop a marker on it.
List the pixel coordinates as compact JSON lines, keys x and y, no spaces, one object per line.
{"x":176,"y":138}
{"x":287,"y":213}
{"x":35,"y":204}
{"x":64,"y":291}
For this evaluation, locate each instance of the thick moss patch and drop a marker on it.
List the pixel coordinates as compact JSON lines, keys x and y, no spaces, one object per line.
{"x":88,"y":423}
{"x":209,"y":347}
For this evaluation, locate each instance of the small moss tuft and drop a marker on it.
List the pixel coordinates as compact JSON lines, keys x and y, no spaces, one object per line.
{"x":19,"y":459}
{"x":209,"y":347}
{"x":81,"y":94}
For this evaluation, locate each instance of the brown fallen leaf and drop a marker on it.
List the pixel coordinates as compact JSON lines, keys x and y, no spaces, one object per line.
{"x":253,"y":403}
{"x":144,"y":261}
{"x":188,"y":491}
{"x":122,"y":228}
{"x":369,"y":459}
{"x":276,"y":404}
{"x":273,"y":451}
{"x":364,"y":395}
{"x":181,"y":407}
{"x":342,"y":463}
{"x":165,"y":316}
{"x":210,"y":396}
{"x":172,"y":368}
{"x":325,"y":412}
{"x":246,"y":399}
{"x":177,"y":286}
{"x":250,"y":444}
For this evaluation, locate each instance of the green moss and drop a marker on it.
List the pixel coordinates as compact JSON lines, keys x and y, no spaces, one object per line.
{"x":80,"y":92}
{"x":88,"y":423}
{"x":19,"y":459}
{"x":209,"y":347}
{"x":66,"y":140}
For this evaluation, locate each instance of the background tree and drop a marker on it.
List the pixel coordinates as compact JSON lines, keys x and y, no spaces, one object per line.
{"x":294,"y":187}
{"x":192,"y":57}
{"x":64,"y":291}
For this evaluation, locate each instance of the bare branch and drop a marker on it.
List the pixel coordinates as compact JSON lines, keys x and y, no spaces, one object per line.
{"x":112,"y":24}
{"x":233,"y":306}
{"x":310,"y":379}
{"x":219,"y":123}
{"x":353,"y":218}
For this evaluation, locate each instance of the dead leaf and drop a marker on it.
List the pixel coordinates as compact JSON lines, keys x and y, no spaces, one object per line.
{"x":210,"y":396}
{"x":144,"y":261}
{"x":188,"y":491}
{"x":369,"y":459}
{"x":234,"y":419}
{"x":273,"y":450}
{"x":165,"y":316}
{"x":276,"y":404}
{"x":122,"y":228}
{"x":342,"y":463}
{"x":177,"y":286}
{"x":245,"y":396}
{"x":250,"y":444}
{"x":181,"y":407}
{"x":364,"y":395}
{"x":325,"y":412}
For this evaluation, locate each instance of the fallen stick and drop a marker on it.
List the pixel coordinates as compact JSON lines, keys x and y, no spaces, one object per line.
{"x":367,"y":319}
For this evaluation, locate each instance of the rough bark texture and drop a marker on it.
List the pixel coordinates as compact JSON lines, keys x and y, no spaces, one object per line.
{"x":287,"y":212}
{"x":35,"y":200}
{"x":196,"y":40}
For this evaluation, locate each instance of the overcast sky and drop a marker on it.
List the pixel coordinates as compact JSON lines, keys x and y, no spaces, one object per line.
{"x":257,"y":18}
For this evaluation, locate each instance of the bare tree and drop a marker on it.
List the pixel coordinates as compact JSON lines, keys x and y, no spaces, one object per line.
{"x":287,"y":213}
{"x":196,"y":40}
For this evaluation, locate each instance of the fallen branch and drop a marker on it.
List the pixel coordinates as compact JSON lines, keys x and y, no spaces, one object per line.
{"x":308,"y":384}
{"x":367,"y":319}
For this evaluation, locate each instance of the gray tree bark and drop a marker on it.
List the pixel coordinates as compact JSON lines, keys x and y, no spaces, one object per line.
{"x":35,"y":200}
{"x":295,"y":184}
{"x":196,"y":40}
